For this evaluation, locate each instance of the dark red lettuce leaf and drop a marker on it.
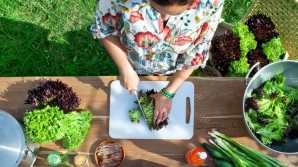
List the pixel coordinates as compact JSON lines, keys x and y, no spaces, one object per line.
{"x":262,"y":27}
{"x":225,"y":49}
{"x":53,"y":93}
{"x":255,"y":56}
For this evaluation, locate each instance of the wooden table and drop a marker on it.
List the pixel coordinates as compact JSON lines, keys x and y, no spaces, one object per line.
{"x":218,"y":104}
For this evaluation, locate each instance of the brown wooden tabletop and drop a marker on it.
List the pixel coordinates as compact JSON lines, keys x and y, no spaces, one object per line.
{"x":218,"y":104}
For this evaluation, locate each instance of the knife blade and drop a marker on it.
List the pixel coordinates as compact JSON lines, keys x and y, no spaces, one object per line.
{"x":141,"y":108}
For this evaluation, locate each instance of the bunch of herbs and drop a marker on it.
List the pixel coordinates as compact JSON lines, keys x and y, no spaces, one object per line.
{"x":234,"y":10}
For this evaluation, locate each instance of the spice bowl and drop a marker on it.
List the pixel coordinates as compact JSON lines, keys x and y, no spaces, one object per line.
{"x":109,"y":153}
{"x":81,"y":160}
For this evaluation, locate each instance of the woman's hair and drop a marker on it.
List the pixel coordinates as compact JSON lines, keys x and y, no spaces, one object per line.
{"x":173,"y":2}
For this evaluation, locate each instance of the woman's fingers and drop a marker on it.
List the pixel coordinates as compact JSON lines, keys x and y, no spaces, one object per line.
{"x":161,"y":116}
{"x":162,"y":107}
{"x":132,"y":91}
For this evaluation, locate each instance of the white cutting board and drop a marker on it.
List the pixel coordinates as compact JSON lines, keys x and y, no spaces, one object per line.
{"x":120,"y":126}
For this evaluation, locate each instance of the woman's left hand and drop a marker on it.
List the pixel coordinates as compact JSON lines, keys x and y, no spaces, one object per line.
{"x":162,"y":107}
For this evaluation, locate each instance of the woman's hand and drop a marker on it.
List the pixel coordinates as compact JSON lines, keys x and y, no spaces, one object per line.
{"x":163,"y":104}
{"x":129,"y":79}
{"x":162,"y":107}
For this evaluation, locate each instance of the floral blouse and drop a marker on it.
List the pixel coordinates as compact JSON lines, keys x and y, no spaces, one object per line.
{"x":154,"y":46}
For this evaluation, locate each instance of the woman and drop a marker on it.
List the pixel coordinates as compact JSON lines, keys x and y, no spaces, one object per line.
{"x":157,"y":37}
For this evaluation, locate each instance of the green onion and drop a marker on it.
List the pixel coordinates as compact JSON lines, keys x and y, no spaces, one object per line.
{"x":241,"y":155}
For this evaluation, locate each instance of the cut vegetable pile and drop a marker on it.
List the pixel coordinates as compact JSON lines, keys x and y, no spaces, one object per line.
{"x":147,"y":104}
{"x":228,"y":153}
{"x":272,"y":110}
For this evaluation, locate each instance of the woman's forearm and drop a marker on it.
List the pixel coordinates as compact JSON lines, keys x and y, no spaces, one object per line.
{"x":117,"y":51}
{"x":177,"y":80}
{"x":128,"y":76}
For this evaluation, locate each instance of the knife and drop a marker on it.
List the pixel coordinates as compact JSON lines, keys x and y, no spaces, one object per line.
{"x":141,"y":108}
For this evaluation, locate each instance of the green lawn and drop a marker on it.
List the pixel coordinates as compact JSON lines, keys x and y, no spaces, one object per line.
{"x":50,"y":38}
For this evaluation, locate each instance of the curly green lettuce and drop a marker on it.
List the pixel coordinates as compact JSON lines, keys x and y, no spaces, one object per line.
{"x":238,"y":68}
{"x":45,"y":125}
{"x":77,"y":126}
{"x":247,"y":38}
{"x":273,"y":50}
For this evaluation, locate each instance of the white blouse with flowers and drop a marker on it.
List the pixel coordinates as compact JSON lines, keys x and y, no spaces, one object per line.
{"x":155,"y":48}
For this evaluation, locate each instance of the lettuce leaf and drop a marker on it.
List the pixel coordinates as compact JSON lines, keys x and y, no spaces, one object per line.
{"x":247,"y":38}
{"x":238,"y":68}
{"x":45,"y":125}
{"x":77,"y":126}
{"x":273,"y":49}
{"x":271,"y":119}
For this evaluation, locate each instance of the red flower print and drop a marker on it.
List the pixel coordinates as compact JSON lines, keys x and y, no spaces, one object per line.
{"x":199,"y":58}
{"x":216,"y":2}
{"x":204,"y":29}
{"x":194,"y":4}
{"x":109,"y":20}
{"x":135,"y":16}
{"x":167,"y":34}
{"x":146,"y":39}
{"x":183,"y":40}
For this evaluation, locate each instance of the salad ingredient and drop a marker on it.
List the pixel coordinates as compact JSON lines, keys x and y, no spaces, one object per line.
{"x":241,"y":155}
{"x":216,"y":153}
{"x":53,"y":93}
{"x":255,"y":56}
{"x":271,"y":110}
{"x":77,"y":126}
{"x":135,"y":115}
{"x":234,"y":52}
{"x":147,"y":104}
{"x":225,"y":49}
{"x":262,"y":27}
{"x":222,"y":163}
{"x":51,"y":124}
{"x":235,"y":10}
{"x":247,"y":39}
{"x":45,"y":125}
{"x":238,"y":68}
{"x":273,"y":50}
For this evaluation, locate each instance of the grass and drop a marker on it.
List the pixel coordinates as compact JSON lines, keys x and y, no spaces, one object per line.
{"x":51,"y":38}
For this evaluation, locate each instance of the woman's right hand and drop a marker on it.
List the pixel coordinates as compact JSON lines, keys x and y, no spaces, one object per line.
{"x":129,"y":79}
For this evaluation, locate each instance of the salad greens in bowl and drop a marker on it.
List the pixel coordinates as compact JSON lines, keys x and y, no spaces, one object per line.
{"x":270,"y":106}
